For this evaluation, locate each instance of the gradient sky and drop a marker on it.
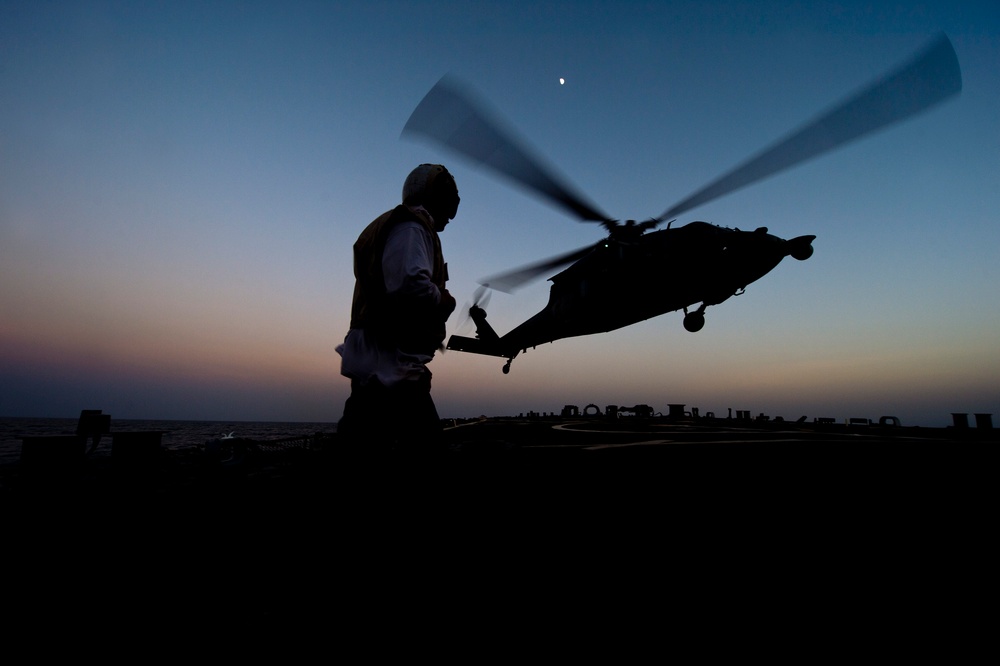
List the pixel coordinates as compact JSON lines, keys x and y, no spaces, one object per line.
{"x":181,"y":184}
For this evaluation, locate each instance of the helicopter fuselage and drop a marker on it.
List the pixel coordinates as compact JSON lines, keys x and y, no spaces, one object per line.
{"x":627,"y":280}
{"x":631,"y":277}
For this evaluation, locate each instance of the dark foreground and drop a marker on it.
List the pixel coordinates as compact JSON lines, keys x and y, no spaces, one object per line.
{"x":530,"y":515}
{"x":514,"y":461}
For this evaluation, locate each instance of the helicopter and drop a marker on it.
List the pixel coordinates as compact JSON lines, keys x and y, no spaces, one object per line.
{"x":634,"y":273}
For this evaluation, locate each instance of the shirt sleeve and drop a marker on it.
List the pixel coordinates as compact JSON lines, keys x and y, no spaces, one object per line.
{"x":408,"y":261}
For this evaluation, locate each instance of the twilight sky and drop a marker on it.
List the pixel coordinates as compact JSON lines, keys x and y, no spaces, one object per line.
{"x":181,"y":184}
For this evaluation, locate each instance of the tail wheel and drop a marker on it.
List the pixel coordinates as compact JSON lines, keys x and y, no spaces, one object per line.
{"x":694,"y":321}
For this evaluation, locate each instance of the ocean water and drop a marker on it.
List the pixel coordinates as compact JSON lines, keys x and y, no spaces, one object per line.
{"x":176,"y":434}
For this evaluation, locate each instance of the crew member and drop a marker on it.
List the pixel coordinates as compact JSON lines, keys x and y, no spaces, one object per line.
{"x":398,"y":317}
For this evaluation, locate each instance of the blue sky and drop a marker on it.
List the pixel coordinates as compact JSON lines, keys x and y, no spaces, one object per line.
{"x":182,"y":182}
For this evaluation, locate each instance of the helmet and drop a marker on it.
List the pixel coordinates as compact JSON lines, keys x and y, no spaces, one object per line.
{"x":432,"y":186}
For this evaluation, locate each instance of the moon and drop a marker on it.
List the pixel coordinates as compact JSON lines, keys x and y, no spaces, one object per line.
{"x":562,"y":81}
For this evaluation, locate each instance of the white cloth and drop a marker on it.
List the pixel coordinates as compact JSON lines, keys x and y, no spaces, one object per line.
{"x":407,"y":265}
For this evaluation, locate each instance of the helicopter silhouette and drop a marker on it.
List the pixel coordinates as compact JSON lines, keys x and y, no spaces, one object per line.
{"x":631,"y":275}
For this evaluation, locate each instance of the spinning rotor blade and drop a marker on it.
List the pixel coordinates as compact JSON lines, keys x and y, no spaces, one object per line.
{"x":480,"y":298}
{"x":931,"y":77}
{"x":449,"y":115}
{"x":508,"y":282}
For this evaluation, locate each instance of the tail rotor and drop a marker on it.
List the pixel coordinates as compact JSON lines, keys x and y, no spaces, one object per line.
{"x":480,"y":299}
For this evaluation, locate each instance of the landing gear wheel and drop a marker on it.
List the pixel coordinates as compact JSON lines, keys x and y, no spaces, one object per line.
{"x":506,"y":368}
{"x":694,"y":321}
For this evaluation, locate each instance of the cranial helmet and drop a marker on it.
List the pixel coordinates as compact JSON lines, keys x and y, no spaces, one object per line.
{"x":431,"y":186}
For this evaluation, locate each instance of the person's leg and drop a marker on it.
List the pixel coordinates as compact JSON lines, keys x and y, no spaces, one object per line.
{"x":415,"y":417}
{"x":364,"y":425}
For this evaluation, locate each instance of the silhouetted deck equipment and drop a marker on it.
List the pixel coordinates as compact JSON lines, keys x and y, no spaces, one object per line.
{"x":129,"y":448}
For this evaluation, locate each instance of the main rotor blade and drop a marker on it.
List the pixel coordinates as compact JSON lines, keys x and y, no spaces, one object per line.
{"x":508,"y":282}
{"x":450,"y":115}
{"x":931,"y":77}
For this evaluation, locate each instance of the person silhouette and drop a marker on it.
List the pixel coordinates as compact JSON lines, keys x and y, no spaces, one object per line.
{"x":398,"y":314}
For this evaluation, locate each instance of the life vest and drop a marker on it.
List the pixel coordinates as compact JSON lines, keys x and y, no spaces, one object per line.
{"x":399,"y":321}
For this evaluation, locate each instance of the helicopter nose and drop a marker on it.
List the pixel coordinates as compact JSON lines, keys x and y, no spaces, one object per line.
{"x":801,"y":247}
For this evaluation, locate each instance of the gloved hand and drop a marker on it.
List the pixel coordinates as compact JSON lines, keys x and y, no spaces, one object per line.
{"x":447,"y":304}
